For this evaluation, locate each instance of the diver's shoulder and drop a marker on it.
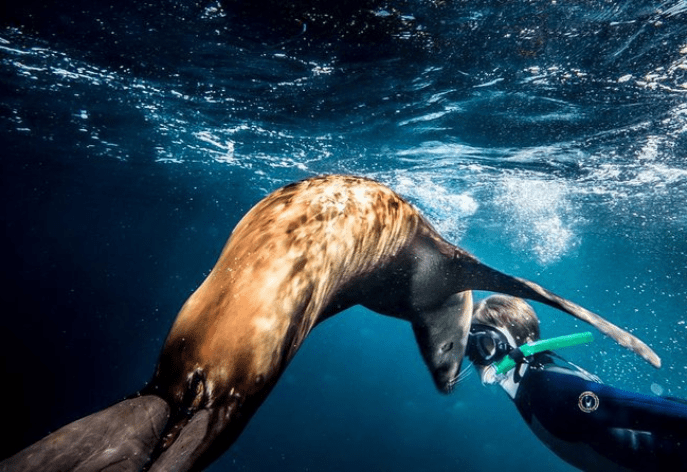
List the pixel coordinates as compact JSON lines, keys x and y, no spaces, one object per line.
{"x":550,"y":362}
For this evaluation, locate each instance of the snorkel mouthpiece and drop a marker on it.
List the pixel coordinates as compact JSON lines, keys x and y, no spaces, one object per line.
{"x":528,"y":349}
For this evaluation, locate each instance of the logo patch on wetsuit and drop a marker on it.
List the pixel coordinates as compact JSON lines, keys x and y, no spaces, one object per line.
{"x":588,"y":402}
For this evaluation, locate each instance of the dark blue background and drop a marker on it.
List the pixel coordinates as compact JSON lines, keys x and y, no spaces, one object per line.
{"x":547,"y":138}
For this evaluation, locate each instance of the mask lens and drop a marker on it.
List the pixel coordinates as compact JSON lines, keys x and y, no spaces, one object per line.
{"x":487,"y":345}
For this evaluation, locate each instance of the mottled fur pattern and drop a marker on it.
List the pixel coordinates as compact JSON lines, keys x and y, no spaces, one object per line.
{"x":282,"y":267}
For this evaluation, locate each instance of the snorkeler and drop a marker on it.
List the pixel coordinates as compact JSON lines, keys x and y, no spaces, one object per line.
{"x":588,"y":424}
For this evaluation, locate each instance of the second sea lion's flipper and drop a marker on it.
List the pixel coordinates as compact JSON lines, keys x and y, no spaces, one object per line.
{"x":119,"y":438}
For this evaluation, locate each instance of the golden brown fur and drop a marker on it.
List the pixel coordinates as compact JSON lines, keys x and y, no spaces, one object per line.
{"x":280,"y":269}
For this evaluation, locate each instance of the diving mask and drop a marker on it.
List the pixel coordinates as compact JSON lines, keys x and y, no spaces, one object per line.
{"x":489,"y":346}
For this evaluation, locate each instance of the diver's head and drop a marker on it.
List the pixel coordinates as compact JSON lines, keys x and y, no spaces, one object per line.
{"x":511,"y":314}
{"x":500,"y":323}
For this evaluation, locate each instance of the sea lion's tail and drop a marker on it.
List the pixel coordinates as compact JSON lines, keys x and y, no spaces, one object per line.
{"x":481,"y":277}
{"x":121,"y":437}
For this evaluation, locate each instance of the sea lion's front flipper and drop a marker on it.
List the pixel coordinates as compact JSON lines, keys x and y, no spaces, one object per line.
{"x":120,"y":438}
{"x":476,"y":276}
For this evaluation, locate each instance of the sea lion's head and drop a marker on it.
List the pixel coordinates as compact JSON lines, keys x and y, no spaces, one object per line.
{"x":442,"y":336}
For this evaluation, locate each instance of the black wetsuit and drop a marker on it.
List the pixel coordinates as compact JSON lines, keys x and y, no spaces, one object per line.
{"x":596,"y":427}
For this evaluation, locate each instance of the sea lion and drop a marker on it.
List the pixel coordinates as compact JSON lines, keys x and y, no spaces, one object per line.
{"x":304,"y":253}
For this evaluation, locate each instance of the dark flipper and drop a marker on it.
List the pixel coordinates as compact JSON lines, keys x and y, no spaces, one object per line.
{"x":477,"y":276}
{"x":117,"y":439}
{"x":185,"y":450}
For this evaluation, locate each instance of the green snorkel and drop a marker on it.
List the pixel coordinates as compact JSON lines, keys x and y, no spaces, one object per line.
{"x":528,"y":349}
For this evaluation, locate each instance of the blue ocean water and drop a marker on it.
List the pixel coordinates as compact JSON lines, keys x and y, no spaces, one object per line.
{"x":549,"y":138}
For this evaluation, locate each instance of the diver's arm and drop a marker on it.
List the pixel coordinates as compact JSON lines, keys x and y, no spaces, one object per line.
{"x":598,"y":427}
{"x":564,"y":366}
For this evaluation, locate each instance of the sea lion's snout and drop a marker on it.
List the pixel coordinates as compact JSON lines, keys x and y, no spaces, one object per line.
{"x":442,"y":336}
{"x":447,"y":374}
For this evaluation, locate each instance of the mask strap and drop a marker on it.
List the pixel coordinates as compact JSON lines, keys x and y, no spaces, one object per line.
{"x":519,"y":358}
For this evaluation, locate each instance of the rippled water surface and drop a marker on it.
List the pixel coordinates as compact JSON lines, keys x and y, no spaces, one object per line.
{"x":548,"y":138}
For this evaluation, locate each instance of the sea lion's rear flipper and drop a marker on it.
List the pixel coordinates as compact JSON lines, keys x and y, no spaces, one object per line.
{"x":477,"y":276}
{"x":119,"y":438}
{"x":192,"y":440}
